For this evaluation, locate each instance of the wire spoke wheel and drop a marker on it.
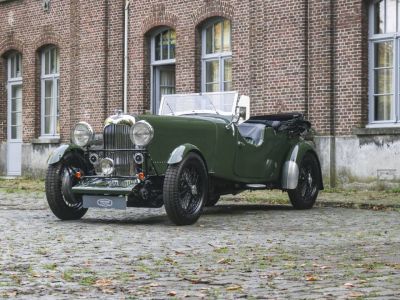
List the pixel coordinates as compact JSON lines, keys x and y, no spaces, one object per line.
{"x":185,"y":190}
{"x":306,"y":193}
{"x":60,"y":179}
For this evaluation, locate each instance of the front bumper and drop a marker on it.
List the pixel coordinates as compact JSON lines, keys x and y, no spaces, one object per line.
{"x":100,"y":185}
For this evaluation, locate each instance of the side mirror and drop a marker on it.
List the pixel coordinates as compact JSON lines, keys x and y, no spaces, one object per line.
{"x":243,"y":108}
{"x":242,"y":113}
{"x":235,"y":119}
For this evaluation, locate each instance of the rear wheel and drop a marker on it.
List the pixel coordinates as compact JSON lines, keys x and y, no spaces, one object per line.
{"x":60,"y":179}
{"x":185,"y":190}
{"x":306,"y":193}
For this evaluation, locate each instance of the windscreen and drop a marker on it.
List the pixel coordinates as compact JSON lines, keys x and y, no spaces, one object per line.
{"x":222,"y":103}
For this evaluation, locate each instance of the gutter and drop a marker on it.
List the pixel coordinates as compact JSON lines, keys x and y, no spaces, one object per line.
{"x":126,"y":33}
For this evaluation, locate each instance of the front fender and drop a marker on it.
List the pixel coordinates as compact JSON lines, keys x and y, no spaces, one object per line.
{"x":180,"y":153}
{"x":290,"y":172}
{"x":61,"y":151}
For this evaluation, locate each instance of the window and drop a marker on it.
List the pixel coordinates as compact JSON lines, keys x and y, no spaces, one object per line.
{"x":50,"y":92}
{"x":216,"y":56}
{"x":163,"y":44}
{"x":384,"y":73}
{"x":14,"y":91}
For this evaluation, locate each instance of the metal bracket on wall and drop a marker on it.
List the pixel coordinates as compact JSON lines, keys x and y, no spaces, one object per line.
{"x":46,"y":5}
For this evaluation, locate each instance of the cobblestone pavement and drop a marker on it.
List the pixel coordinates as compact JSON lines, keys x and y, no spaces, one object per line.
{"x":234,"y":251}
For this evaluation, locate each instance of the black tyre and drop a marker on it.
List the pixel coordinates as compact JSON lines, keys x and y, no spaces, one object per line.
{"x":306,"y":193}
{"x":60,"y":179}
{"x":212,"y":200}
{"x":185,"y":190}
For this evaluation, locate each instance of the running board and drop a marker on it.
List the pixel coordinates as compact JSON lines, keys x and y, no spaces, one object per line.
{"x":256,"y":186}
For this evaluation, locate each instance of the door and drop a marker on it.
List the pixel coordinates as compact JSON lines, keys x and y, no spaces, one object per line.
{"x":164,"y":84}
{"x":14,"y":129}
{"x":263,"y":162}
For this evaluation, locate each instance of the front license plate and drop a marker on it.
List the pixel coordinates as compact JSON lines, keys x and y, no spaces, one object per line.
{"x":113,"y":202}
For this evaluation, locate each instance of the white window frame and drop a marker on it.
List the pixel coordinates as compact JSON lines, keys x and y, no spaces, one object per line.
{"x":54,"y":77}
{"x":12,"y":81}
{"x":154,"y":72}
{"x":219,"y":56}
{"x":374,"y":38}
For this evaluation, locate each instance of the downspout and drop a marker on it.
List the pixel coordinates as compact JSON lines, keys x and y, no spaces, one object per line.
{"x":333,"y":98}
{"x":125,"y":101}
{"x":307,"y":54}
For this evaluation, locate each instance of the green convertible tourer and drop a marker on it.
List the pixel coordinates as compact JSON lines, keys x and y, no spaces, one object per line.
{"x":199,"y":147}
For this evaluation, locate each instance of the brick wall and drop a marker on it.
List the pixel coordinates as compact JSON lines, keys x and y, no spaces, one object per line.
{"x":307,"y":56}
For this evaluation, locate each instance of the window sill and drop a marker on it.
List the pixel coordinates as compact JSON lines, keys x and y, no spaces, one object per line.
{"x":46,"y":140}
{"x":377,"y":131}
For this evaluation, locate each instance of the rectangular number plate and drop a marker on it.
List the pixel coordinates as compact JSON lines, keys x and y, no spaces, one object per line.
{"x":113,"y":202}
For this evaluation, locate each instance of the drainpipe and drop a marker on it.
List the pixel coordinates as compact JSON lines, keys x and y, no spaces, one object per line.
{"x":128,"y":2}
{"x":333,"y":97}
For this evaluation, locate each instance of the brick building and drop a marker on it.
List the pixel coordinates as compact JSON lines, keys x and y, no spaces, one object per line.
{"x":336,"y":61}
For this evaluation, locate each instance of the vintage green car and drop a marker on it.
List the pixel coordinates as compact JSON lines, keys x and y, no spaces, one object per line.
{"x":199,"y":147}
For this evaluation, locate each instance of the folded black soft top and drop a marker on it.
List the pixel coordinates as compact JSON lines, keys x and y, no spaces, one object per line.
{"x":291,"y":122}
{"x":277,"y":117}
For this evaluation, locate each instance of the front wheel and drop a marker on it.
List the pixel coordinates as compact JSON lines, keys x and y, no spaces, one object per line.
{"x":185,"y":190}
{"x":306,"y":193}
{"x":60,"y":179}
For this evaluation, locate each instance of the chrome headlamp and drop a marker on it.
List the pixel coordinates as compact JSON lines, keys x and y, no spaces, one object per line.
{"x":82,"y":134}
{"x":141,"y":133}
{"x":107,"y":166}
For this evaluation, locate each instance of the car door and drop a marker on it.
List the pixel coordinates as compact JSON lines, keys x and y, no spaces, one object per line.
{"x":263,"y":162}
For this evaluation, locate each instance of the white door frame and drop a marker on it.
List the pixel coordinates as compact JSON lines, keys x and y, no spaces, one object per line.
{"x":14,"y":146}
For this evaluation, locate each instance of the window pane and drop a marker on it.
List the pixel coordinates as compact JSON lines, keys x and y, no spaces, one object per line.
{"x":383,"y":81}
{"x":48,"y":88}
{"x":379,"y":17}
{"x":165,"y":43}
{"x":391,"y":15}
{"x":18,"y":65}
{"x":218,"y":37}
{"x":167,"y":78}
{"x":212,"y":71}
{"x":158,"y":47}
{"x":14,"y":134}
{"x":16,"y":98}
{"x":227,"y":86}
{"x":172,"y":44}
{"x":384,"y":54}
{"x":12,"y":66}
{"x":47,"y":125}
{"x":53,"y":61}
{"x":228,"y":69}
{"x":383,"y":108}
{"x":213,"y":87}
{"x":227,"y":35}
{"x":47,"y":62}
{"x":209,"y":39}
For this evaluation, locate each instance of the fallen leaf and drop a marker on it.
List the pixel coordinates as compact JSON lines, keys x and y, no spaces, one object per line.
{"x":227,"y":261}
{"x":356,"y":295}
{"x":179,"y":252}
{"x":325,"y":267}
{"x":11,"y":294}
{"x":172,"y":293}
{"x":103,"y":283}
{"x":234,"y":287}
{"x":153,"y":284}
{"x":349,"y":285}
{"x":311,"y":278}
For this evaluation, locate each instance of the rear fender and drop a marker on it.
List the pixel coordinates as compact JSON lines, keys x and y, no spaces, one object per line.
{"x":180,"y":153}
{"x":58,"y":154}
{"x":290,"y":171}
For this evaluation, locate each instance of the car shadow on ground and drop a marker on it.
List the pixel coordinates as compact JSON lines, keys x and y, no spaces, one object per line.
{"x":224,"y":209}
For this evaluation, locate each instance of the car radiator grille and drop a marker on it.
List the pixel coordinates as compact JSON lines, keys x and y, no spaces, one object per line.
{"x":116,"y":137}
